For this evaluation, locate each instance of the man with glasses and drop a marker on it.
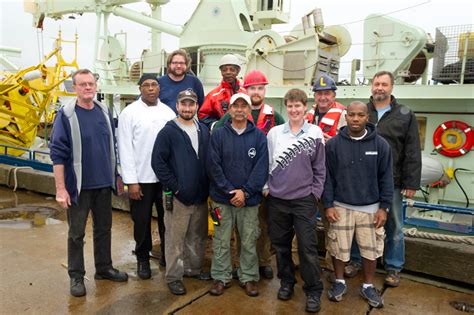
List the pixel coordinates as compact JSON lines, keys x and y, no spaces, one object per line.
{"x":139,"y":123}
{"x":178,"y":79}
{"x":84,"y":166}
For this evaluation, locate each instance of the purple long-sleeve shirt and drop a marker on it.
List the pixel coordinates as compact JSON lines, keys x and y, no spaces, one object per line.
{"x":297,"y":162}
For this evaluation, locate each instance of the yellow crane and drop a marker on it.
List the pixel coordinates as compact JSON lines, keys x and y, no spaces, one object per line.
{"x":28,"y":98}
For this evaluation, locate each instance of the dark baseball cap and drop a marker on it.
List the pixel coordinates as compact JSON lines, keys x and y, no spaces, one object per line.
{"x":187,"y":95}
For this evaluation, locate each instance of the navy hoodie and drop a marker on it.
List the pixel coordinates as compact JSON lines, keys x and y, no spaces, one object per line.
{"x":237,"y":162}
{"x":177,"y":165}
{"x":358,"y":172}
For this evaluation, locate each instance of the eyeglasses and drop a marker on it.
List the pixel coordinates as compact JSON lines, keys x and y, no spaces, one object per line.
{"x":86,"y":84}
{"x":150,"y":85}
{"x":180,"y":63}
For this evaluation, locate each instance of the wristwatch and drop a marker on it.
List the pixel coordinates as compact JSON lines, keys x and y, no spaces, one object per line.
{"x":246,"y":195}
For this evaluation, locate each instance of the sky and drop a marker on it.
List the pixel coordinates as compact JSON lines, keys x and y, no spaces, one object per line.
{"x":16,"y":28}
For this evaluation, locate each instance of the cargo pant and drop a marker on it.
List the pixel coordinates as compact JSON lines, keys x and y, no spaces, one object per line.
{"x":186,"y":237}
{"x":246,"y":221}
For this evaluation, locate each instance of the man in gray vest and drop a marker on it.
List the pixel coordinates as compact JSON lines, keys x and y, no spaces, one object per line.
{"x":84,"y":166}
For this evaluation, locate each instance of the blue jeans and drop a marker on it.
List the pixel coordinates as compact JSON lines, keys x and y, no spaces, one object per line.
{"x":394,"y":252}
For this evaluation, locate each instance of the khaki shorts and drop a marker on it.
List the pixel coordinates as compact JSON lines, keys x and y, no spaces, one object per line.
{"x":340,"y":234}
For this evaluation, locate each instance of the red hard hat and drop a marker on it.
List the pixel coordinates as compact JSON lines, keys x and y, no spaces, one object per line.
{"x":255,"y":77}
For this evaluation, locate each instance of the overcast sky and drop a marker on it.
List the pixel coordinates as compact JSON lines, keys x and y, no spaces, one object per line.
{"x":17,"y":30}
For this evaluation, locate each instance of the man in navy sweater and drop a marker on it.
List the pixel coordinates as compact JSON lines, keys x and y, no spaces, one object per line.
{"x":357,"y":195}
{"x":84,"y":166}
{"x":178,"y":159}
{"x":178,"y":79}
{"x":237,"y":165}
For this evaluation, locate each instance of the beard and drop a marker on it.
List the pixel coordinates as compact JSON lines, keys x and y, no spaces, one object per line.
{"x":176,"y":72}
{"x":379,"y":97}
{"x":256,"y":100}
{"x":186,"y":116}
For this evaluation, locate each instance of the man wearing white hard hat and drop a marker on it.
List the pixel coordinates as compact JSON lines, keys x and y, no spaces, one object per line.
{"x":217,"y":101}
{"x":237,"y":164}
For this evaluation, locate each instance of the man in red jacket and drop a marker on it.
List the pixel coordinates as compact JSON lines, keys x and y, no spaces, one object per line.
{"x":217,"y":100}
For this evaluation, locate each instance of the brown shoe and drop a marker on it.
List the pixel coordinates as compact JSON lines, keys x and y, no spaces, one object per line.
{"x":250,"y":288}
{"x":218,"y":288}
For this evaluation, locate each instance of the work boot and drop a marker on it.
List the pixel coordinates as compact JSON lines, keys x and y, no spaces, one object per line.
{"x":285,"y":292}
{"x":392,"y":279}
{"x":111,"y":274}
{"x":313,"y":303}
{"x":177,"y":287}
{"x":235,"y":273}
{"x":143,"y":269}
{"x":205,"y":276}
{"x":77,"y":287}
{"x":250,"y":288}
{"x":218,"y":287}
{"x":266,"y":272}
{"x":351,"y":269}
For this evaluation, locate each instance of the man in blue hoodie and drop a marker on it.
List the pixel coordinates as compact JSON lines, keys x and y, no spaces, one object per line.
{"x":178,"y":160}
{"x":237,"y":165}
{"x":357,"y":195}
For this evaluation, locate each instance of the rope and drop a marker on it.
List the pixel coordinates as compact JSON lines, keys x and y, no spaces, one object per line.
{"x":15,"y":180}
{"x":413,"y":232}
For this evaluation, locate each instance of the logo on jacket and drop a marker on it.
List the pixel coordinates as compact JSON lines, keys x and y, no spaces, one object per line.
{"x":252,"y":153}
{"x":305,"y":145}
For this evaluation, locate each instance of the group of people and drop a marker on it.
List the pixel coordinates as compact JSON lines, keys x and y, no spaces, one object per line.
{"x":262,"y":176}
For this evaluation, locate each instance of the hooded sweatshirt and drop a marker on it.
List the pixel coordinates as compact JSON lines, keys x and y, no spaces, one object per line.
{"x":358,"y":172}
{"x":237,"y":162}
{"x":177,"y":165}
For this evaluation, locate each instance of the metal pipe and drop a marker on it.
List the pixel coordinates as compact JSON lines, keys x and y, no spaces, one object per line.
{"x":148,"y":21}
{"x":97,"y":32}
{"x":155,"y":34}
{"x":6,"y":49}
{"x":464,"y":57}
{"x":8,"y":64}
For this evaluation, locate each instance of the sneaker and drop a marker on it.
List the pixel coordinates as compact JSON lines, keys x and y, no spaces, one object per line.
{"x":372,"y":295}
{"x":313,"y":303}
{"x":77,"y":287}
{"x":392,"y":279}
{"x":337,"y":290}
{"x":351,"y":269}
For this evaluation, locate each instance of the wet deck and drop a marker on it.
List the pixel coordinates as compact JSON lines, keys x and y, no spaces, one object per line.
{"x":34,"y":280}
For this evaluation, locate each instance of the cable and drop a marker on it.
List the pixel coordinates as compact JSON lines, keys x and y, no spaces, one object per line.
{"x":459,"y":184}
{"x":425,"y":194}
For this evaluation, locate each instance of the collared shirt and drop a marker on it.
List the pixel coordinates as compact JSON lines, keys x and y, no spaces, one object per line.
{"x":304,"y":128}
{"x":138,"y":127}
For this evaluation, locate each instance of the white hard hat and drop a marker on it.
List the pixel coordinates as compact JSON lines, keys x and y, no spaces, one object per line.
{"x":229,"y":59}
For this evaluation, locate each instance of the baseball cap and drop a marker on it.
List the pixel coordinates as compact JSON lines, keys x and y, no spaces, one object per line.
{"x":243,"y":96}
{"x":187,"y":95}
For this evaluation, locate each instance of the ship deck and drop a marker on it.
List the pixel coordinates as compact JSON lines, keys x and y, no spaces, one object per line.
{"x":34,"y":279}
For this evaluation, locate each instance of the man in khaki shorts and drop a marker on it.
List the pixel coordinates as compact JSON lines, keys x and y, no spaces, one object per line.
{"x":357,"y":194}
